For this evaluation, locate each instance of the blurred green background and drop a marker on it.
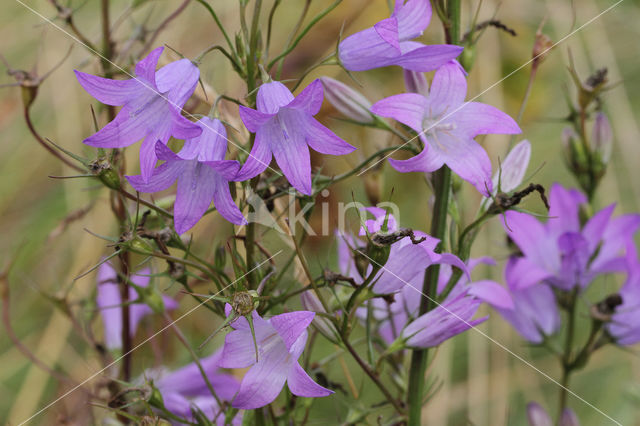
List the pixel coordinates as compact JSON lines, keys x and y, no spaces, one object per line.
{"x":481,"y":382}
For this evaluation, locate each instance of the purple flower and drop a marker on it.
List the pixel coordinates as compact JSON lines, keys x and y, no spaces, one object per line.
{"x":285,"y":128}
{"x":151,"y":104}
{"x":564,"y":253}
{"x":281,"y":340}
{"x":202,"y":174}
{"x":447,"y":125}
{"x":625,"y":322}
{"x":109,"y":301}
{"x":450,"y":318}
{"x":185,"y":388}
{"x":537,"y":416}
{"x":349,"y":102}
{"x":534,"y":313}
{"x":388,"y":42}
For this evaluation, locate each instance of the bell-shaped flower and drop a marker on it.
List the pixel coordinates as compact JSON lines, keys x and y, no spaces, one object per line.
{"x":447,"y":125}
{"x":389,"y":42}
{"x":624,"y":326}
{"x":285,"y":128}
{"x":151,"y":104}
{"x":511,"y":172}
{"x":448,"y":319}
{"x":537,"y":416}
{"x":202,"y":173}
{"x":351,"y":103}
{"x":416,"y":82}
{"x":109,"y":302}
{"x":185,"y":388}
{"x":561,"y":251}
{"x":280,"y":341}
{"x":534,"y":313}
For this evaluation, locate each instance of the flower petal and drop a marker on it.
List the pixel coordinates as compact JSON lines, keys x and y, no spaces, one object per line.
{"x":413,"y":17}
{"x":491,"y":292}
{"x":323,"y":140}
{"x":407,"y":108}
{"x":300,"y":384}
{"x":513,"y":167}
{"x":253,"y":119}
{"x":179,"y":80}
{"x":162,"y":178}
{"x":194,"y":195}
{"x":387,"y":29}
{"x":310,"y":99}
{"x":181,"y":128}
{"x":366,"y":50}
{"x":533,"y":240}
{"x":448,"y":88}
{"x":418,"y":57}
{"x":239,"y":350}
{"x":146,"y":68}
{"x":416,"y":82}
{"x":465,"y":157}
{"x":272,"y":96}
{"x":264,"y":381}
{"x":291,"y":325}
{"x":289,"y":147}
{"x":427,"y":161}
{"x":224,"y":203}
{"x":564,"y":210}
{"x":122,"y":131}
{"x":475,"y":118}
{"x":260,"y":155}
{"x":107,"y":91}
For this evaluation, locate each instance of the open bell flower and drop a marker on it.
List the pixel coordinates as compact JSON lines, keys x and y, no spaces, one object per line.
{"x":109,"y":302}
{"x":202,"y":173}
{"x":624,"y":326}
{"x":285,"y":128}
{"x":185,"y":388}
{"x":151,"y":104}
{"x":280,"y":340}
{"x":447,"y":125}
{"x":389,"y":42}
{"x":564,"y":253}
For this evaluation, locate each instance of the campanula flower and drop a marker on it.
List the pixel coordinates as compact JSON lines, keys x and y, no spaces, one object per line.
{"x":537,"y":416}
{"x":389,"y":42}
{"x":448,"y":319}
{"x":285,"y":128}
{"x":280,"y":340}
{"x":447,"y":125}
{"x":564,"y":253}
{"x":185,"y":388}
{"x":511,"y":172}
{"x":624,"y":326}
{"x":109,"y":302}
{"x":202,"y":173}
{"x":351,"y":103}
{"x":151,"y":104}
{"x":534,"y":313}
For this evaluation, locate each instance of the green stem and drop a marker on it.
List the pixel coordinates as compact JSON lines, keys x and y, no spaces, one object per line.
{"x":218,"y":23}
{"x":442,"y":185}
{"x":567,"y":362}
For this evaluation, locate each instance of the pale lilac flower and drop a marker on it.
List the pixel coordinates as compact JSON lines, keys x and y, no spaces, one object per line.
{"x":416,"y":82}
{"x":349,"y":102}
{"x":513,"y":168}
{"x":562,"y":252}
{"x":447,"y":125}
{"x":281,"y":340}
{"x":448,"y":319}
{"x":285,"y":128}
{"x":185,"y":388}
{"x":109,"y":302}
{"x":388,"y":42}
{"x":625,"y":321}
{"x":537,"y":416}
{"x":202,"y":173}
{"x":602,"y":137}
{"x":311,"y":302}
{"x":151,"y":104}
{"x":534,"y":313}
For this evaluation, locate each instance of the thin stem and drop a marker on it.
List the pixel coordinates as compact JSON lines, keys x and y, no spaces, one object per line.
{"x":442,"y":185}
{"x":304,"y":32}
{"x":373,"y":376}
{"x":218,"y":23}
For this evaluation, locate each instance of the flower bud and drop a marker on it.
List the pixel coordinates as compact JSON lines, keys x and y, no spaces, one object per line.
{"x":537,"y":416}
{"x":541,"y":48}
{"x":568,"y":418}
{"x":102,"y":168}
{"x":513,"y":167}
{"x":468,"y":56}
{"x":416,"y":82}
{"x":576,"y":157}
{"x":602,"y":137}
{"x":153,"y":299}
{"x":349,"y":102}
{"x":310,"y":302}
